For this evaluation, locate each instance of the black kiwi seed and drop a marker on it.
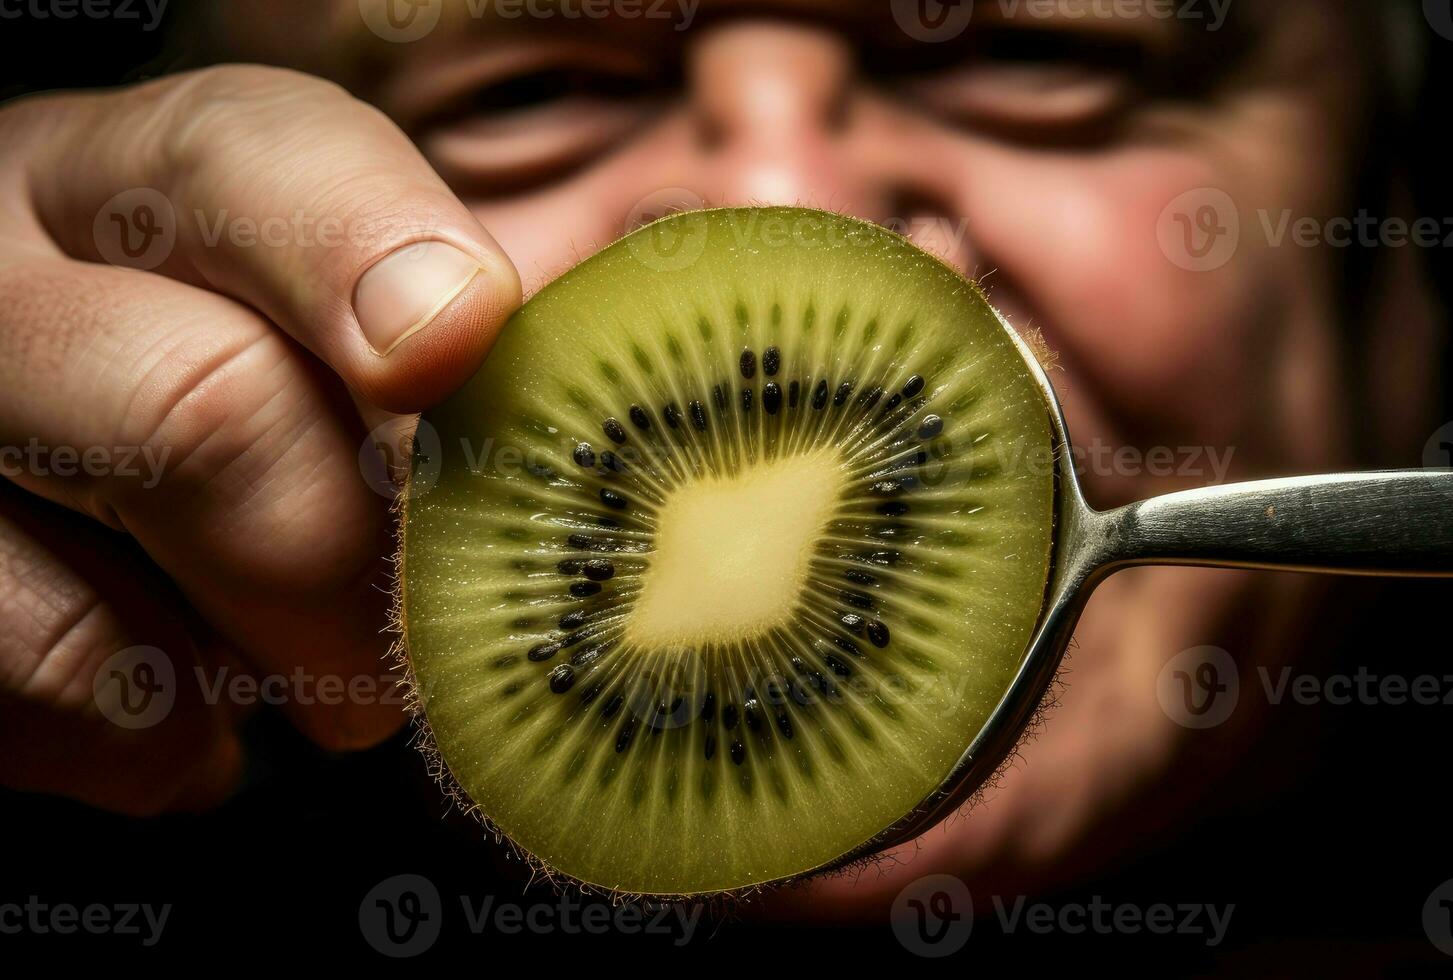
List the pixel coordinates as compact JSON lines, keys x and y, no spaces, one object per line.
{"x":698,"y":416}
{"x":771,"y":361}
{"x":710,"y":748}
{"x":729,"y":716}
{"x":853,"y":623}
{"x":913,"y":387}
{"x":583,"y":590}
{"x":793,"y":391}
{"x":746,"y":399}
{"x":569,"y":566}
{"x":543,"y":651}
{"x":871,"y":397}
{"x":749,"y":365}
{"x":588,"y":656}
{"x":878,"y":633}
{"x":892,"y":403}
{"x":932,"y":426}
{"x":612,"y":463}
{"x":672,"y":415}
{"x":771,"y":397}
{"x":851,"y":597}
{"x":573,"y":620}
{"x":598,"y":569}
{"x":884,"y":557}
{"x":843,"y":391}
{"x":639,"y":418}
{"x":572,"y":639}
{"x":888,"y":488}
{"x":584,"y":455}
{"x":894,"y":508}
{"x":739,"y":752}
{"x":784,"y":724}
{"x":819,"y":395}
{"x":591,"y":693}
{"x":847,"y":646}
{"x":751,"y":712}
{"x":615,"y":430}
{"x":852,"y":575}
{"x":585,"y":542}
{"x":624,"y":738}
{"x":719,"y":393}
{"x":561,"y":678}
{"x":837,"y":666}
{"x":612,"y":706}
{"x":708,"y":707}
{"x":612,"y":499}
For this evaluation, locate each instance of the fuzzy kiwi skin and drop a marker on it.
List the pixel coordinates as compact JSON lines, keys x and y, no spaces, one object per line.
{"x":1029,"y":498}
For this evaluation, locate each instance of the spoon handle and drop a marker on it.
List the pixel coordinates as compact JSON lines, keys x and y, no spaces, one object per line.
{"x":1384,"y":523}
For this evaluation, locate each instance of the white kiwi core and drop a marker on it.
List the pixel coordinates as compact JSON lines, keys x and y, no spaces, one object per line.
{"x":733,"y":551}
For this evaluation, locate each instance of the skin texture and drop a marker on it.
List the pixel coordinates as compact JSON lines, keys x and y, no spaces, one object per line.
{"x":249,"y":364}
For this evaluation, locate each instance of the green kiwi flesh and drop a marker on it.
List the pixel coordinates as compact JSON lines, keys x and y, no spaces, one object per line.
{"x":727,"y":552}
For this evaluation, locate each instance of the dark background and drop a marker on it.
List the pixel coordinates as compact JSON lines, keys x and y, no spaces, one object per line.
{"x":1337,"y":831}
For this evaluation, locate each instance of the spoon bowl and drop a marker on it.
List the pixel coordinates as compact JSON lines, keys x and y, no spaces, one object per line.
{"x":1387,"y":523}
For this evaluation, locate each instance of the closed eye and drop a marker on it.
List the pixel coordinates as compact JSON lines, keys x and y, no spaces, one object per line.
{"x":1038,"y":86}
{"x":511,"y":134}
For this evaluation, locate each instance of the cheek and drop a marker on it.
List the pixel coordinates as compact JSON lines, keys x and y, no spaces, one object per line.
{"x":1082,"y":242}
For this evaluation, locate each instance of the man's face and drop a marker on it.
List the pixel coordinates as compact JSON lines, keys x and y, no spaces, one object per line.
{"x":1102,"y":166}
{"x":1119,"y":173}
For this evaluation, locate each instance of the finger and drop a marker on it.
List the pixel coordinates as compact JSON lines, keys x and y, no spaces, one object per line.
{"x":98,"y":696}
{"x":286,"y":193}
{"x":229,"y":455}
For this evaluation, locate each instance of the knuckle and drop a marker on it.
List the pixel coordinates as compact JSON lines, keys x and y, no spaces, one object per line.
{"x":188,"y":411}
{"x":227,"y":118}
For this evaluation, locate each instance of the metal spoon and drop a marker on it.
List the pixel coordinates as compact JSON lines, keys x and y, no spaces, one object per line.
{"x":1396,"y":523}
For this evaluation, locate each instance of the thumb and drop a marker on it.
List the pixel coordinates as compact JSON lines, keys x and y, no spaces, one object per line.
{"x":288,"y":194}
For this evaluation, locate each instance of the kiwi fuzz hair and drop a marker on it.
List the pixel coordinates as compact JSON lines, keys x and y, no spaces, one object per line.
{"x":866,"y":855}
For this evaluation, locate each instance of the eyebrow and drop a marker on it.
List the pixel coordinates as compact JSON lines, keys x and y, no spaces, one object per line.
{"x":1162,"y":24}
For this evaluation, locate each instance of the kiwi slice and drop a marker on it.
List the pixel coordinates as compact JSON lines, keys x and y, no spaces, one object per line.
{"x":727,"y":552}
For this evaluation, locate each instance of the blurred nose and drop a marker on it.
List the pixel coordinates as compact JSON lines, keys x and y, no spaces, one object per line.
{"x":772,"y":106}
